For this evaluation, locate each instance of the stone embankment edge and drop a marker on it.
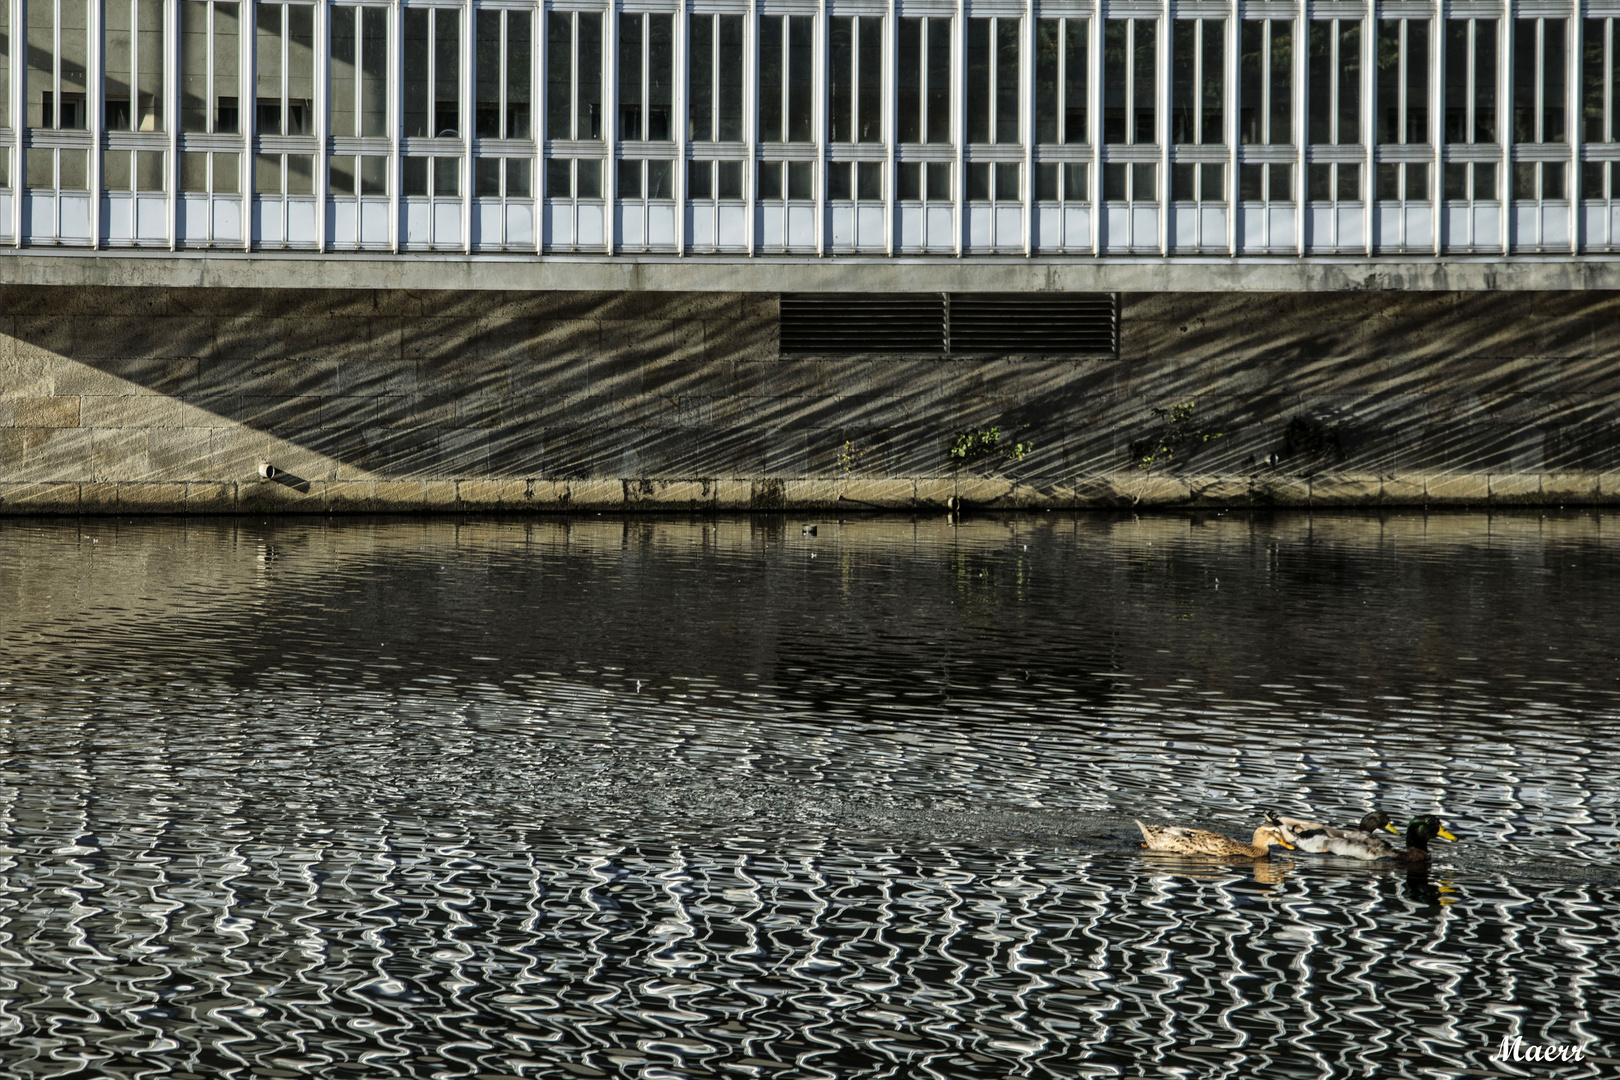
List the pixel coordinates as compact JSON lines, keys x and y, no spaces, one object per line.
{"x":806,"y":494}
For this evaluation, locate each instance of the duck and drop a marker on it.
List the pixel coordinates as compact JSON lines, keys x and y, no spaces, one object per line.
{"x":1358,"y":842}
{"x":1418,"y":834}
{"x":1185,"y":841}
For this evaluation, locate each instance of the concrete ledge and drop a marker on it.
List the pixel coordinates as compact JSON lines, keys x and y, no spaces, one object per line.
{"x":803,"y":494}
{"x":736,"y":274}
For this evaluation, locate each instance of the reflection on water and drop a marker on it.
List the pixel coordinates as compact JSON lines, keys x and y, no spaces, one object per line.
{"x":711,"y":798}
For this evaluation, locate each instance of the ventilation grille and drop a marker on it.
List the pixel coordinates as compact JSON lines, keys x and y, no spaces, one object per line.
{"x":863,"y":323}
{"x":1012,"y":323}
{"x":949,"y":324}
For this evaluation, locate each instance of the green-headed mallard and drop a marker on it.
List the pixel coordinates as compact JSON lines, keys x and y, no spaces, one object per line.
{"x":1358,"y":842}
{"x":1198,"y":842}
{"x":1418,"y":834}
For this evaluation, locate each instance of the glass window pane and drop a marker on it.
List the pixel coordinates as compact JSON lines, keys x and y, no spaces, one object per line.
{"x":417,"y":67}
{"x":978,"y":180}
{"x":227,"y":172}
{"x":1115,"y":42}
{"x":1280,"y":182}
{"x":487,"y":80}
{"x":728,"y":180}
{"x":446,"y":72}
{"x":588,"y":178}
{"x":908,"y":181}
{"x":1144,"y":90}
{"x":700,"y":179}
{"x":517,"y":178}
{"x":340,"y":175}
{"x":414,"y":179}
{"x":1076,"y":50}
{"x":700,"y":78}
{"x":589,"y":113}
{"x":227,"y":72}
{"x":1212,"y":182}
{"x":909,"y":81}
{"x":267,"y":55}
{"x":149,"y":171}
{"x":118,"y":66}
{"x":771,"y":31}
{"x":1114,"y":181}
{"x":1281,"y":88}
{"x":341,"y":74}
{"x":1484,"y":180}
{"x":1417,"y":180}
{"x":519,"y":61}
{"x":193,"y":66}
{"x":729,"y":84}
{"x":374,"y":175}
{"x":660,"y":180}
{"x":559,"y":76}
{"x":660,"y":77}
{"x":800,"y":82}
{"x":1143,"y":187}
{"x":978,"y":81}
{"x":838,"y":181}
{"x":1251,"y":182}
{"x":1046,"y":181}
{"x":1008,"y":181}
{"x":487,"y":176}
{"x":1076,"y":175}
{"x":939,"y":181}
{"x":116,"y":174}
{"x":869,"y":105}
{"x":267,"y":174}
{"x":559,"y":178}
{"x":770,"y":180}
{"x":73,"y":81}
{"x":1552,"y":178}
{"x":801,"y":179}
{"x":447,"y":176}
{"x":629,"y":179}
{"x":869,"y":180}
{"x":1007,"y":80}
{"x":938,"y":98}
{"x":300,"y":69}
{"x":631,"y":69}
{"x":841,"y":79}
{"x":193,"y":172}
{"x":300,"y":174}
{"x":1184,"y":181}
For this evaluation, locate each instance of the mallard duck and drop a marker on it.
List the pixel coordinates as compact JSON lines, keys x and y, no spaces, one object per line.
{"x":1359,"y":842}
{"x":1198,"y":842}
{"x":1418,"y":834}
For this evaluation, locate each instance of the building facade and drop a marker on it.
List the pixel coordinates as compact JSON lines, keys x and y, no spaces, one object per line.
{"x":654,"y":128}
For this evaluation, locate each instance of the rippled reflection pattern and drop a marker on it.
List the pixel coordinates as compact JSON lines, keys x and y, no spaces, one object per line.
{"x":675,"y":799}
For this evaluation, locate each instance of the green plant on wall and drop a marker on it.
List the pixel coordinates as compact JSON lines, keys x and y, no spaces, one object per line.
{"x":1178,"y":434}
{"x":982,"y":443}
{"x":849,"y":458}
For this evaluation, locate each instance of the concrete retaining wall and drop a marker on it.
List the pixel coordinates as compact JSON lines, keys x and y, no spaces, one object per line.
{"x":168,"y":399}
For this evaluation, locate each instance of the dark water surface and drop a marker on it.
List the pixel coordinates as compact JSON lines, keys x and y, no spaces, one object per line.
{"x":670,"y":798}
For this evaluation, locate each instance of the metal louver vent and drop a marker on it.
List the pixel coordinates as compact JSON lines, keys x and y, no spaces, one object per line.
{"x":1014,"y":323}
{"x":949,"y":324}
{"x":826,"y":323}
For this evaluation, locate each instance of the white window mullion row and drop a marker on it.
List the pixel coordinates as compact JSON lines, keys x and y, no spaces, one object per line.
{"x":679,"y":121}
{"x":959,"y":126}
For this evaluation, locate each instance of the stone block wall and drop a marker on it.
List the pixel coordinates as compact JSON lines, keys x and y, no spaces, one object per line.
{"x":125,"y":399}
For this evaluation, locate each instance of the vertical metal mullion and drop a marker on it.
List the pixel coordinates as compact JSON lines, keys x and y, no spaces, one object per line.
{"x":94,"y":119}
{"x":821,"y":116}
{"x":19,"y":125}
{"x":1299,"y":83}
{"x":1437,"y":109}
{"x":679,"y":106}
{"x":751,"y":92}
{"x":610,"y":125}
{"x":171,"y":104}
{"x":1369,"y":124}
{"x":323,"y":48}
{"x":1504,"y":121}
{"x":247,"y":112}
{"x":1026,"y":123}
{"x":1234,"y":88}
{"x":890,"y":123}
{"x":1161,"y":81}
{"x":1574,"y":37}
{"x":1094,"y":110}
{"x":468,"y":53}
{"x":958,"y":125}
{"x":539,"y":45}
{"x":396,"y":125}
